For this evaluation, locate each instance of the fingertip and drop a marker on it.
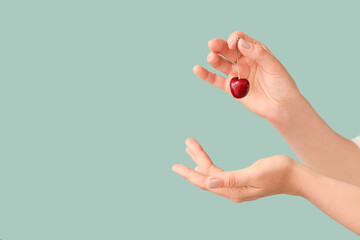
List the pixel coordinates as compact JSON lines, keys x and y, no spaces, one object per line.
{"x":195,"y":146}
{"x":200,"y":71}
{"x":234,"y":37}
{"x":213,"y":57}
{"x":174,"y":168}
{"x":196,"y":69}
{"x":210,"y":42}
{"x":190,"y":141}
{"x":216,"y":44}
{"x":179,"y":168}
{"x":231,"y":42}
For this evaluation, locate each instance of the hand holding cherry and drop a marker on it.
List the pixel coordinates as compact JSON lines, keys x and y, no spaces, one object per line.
{"x":270,"y":85}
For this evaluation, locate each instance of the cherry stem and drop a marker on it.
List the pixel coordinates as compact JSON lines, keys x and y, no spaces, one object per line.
{"x":237,"y":58}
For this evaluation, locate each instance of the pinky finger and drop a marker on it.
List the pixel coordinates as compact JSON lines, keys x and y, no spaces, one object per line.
{"x":212,"y":78}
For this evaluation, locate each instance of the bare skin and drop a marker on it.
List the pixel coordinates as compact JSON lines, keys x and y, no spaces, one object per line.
{"x":274,"y":96}
{"x":275,"y":175}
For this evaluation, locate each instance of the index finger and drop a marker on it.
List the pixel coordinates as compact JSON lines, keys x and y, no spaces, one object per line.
{"x":232,"y":40}
{"x":221,"y":47}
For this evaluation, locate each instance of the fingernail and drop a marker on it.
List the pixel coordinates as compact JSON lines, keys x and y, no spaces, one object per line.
{"x":231,"y":41}
{"x":213,"y":183}
{"x":244,"y":44}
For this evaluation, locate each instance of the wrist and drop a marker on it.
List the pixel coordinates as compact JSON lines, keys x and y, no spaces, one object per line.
{"x":294,"y":109}
{"x":293,"y":180}
{"x":303,"y":180}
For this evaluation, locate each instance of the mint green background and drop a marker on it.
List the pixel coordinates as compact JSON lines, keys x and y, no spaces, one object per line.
{"x":97,"y":98}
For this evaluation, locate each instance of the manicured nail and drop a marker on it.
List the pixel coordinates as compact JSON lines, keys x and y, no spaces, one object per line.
{"x":244,"y":44}
{"x":213,"y":183}
{"x":231,"y":41}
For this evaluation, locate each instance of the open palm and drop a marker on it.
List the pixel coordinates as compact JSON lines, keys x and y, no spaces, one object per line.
{"x":206,"y":168}
{"x":270,"y":84}
{"x":265,"y":177}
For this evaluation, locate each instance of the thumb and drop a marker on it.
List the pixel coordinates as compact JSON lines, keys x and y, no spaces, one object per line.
{"x":259,"y":53}
{"x":236,"y":178}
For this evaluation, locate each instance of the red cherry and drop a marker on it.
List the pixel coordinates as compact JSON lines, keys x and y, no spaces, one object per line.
{"x":239,"y":87}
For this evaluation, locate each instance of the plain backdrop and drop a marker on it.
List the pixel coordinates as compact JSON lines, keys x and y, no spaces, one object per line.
{"x":98,"y":97}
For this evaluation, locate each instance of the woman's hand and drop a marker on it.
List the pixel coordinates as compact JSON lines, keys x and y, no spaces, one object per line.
{"x":274,"y":95}
{"x":275,"y":175}
{"x":268,"y":176}
{"x":271,"y":86}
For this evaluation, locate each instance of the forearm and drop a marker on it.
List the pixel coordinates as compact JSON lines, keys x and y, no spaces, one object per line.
{"x":339,"y":200}
{"x":316,"y":144}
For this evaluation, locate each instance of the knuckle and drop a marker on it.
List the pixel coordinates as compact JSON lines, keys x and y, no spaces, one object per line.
{"x":260,"y":50}
{"x":207,"y":76}
{"x":231,"y":181}
{"x":211,"y":78}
